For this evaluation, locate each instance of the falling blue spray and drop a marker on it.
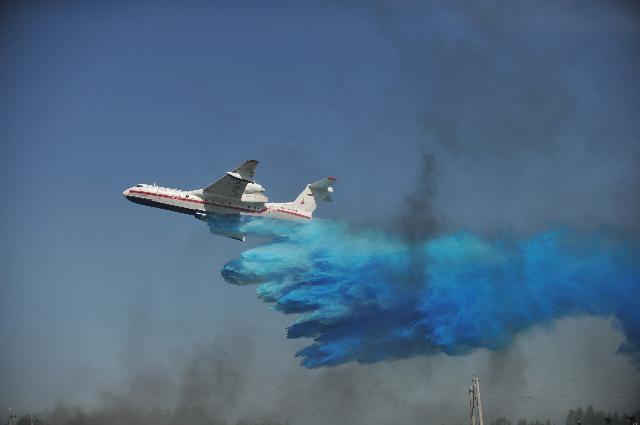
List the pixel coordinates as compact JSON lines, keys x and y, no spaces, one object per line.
{"x":368,"y":296}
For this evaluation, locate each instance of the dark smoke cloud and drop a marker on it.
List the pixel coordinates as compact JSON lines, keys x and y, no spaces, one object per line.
{"x":528,"y":109}
{"x":422,"y":221}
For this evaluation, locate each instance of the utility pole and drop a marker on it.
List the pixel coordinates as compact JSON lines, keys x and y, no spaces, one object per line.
{"x":475,"y":404}
{"x":471,"y":403}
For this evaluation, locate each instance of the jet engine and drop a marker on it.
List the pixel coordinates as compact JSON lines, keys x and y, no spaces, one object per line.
{"x":253,"y":192}
{"x":253,"y":188}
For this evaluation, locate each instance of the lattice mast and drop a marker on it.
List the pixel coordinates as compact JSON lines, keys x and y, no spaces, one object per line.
{"x":475,"y":404}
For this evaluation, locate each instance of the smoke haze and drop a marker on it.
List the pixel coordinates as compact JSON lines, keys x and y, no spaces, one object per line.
{"x":499,"y":120}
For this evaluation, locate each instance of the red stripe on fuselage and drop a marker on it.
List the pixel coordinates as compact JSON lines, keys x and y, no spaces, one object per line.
{"x":200,"y":201}
{"x":291,"y":212}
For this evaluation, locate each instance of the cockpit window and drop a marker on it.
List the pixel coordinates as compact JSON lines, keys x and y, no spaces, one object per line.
{"x":138,"y":185}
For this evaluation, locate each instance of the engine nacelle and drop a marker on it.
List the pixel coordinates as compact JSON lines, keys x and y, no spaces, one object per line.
{"x":254,"y":197}
{"x":253,"y":188}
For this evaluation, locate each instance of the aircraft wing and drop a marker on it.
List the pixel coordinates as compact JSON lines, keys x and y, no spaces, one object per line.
{"x":233,"y":184}
{"x":247,"y":169}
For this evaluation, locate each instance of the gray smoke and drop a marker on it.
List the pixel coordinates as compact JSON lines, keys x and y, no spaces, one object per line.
{"x":529,"y":109}
{"x":422,"y":221}
{"x":521,"y":116}
{"x":201,"y":389}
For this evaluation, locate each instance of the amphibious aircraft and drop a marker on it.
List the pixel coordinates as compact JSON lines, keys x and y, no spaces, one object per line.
{"x":235,"y":193}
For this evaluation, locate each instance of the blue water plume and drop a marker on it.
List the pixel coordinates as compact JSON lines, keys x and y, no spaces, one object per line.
{"x":366,"y":295}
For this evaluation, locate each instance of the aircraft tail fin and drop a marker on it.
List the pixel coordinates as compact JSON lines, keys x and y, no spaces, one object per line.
{"x":313,"y":193}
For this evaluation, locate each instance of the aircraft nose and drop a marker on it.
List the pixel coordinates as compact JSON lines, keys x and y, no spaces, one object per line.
{"x":125,"y":193}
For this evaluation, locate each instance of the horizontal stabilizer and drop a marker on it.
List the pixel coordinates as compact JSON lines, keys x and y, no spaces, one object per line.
{"x":322,"y":189}
{"x":323,"y":184}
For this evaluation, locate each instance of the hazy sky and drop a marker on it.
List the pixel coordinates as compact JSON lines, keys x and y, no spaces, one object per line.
{"x":495,"y":117}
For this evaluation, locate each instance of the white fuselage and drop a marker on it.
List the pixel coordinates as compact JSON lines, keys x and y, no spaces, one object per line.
{"x":196,"y":203}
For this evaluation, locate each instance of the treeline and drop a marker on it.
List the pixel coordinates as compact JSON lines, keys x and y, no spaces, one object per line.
{"x":505,"y":421}
{"x":125,"y":414}
{"x":600,"y":417}
{"x":588,"y":416}
{"x":131,"y":416}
